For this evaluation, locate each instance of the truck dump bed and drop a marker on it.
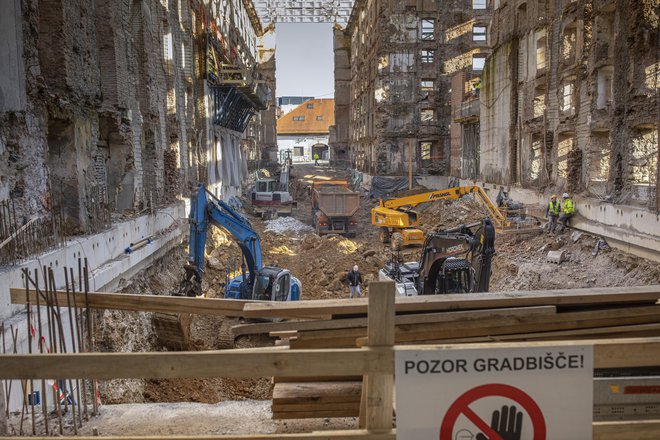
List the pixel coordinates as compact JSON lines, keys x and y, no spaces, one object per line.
{"x":336,"y":200}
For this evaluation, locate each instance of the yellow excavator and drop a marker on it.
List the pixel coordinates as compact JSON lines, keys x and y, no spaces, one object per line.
{"x":397,"y":220}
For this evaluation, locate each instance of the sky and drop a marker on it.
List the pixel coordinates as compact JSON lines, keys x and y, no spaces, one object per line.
{"x":305,"y":60}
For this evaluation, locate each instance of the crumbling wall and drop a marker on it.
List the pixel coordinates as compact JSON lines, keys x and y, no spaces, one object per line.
{"x":586,"y":117}
{"x":495,"y":116}
{"x":339,"y":133}
{"x":402,"y":58}
{"x":111,"y":111}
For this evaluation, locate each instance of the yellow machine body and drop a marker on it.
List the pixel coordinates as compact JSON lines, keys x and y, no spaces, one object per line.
{"x":397,"y":216}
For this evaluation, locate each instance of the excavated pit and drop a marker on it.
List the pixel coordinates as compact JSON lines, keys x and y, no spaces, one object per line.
{"x":321,"y":263}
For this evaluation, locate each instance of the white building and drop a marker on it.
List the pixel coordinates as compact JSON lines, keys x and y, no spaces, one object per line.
{"x":305,"y":130}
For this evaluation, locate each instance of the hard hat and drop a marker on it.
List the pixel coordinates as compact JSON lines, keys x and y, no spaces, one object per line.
{"x":564,"y":196}
{"x":554,"y":196}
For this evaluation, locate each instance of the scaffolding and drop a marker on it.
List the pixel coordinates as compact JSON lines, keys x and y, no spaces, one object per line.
{"x":304,"y":11}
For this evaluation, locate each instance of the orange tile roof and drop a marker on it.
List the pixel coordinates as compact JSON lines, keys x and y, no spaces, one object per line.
{"x":310,"y":125}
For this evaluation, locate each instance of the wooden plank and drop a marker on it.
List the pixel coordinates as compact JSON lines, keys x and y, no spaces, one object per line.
{"x":317,"y":435}
{"x":488,"y":327}
{"x":314,"y":392}
{"x":627,"y":430}
{"x":225,"y":363}
{"x":309,"y":407}
{"x":286,"y":334}
{"x":317,"y":379}
{"x":517,"y":325}
{"x":454,"y":302}
{"x":145,"y":303}
{"x":379,"y":388}
{"x":628,"y":331}
{"x":347,"y":412}
{"x":270,"y":327}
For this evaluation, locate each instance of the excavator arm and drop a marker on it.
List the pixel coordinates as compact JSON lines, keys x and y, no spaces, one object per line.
{"x":391,"y":207}
{"x":205,"y":208}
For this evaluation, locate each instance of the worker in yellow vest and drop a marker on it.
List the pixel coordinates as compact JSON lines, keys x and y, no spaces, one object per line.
{"x":567,"y":210}
{"x":552,"y":213}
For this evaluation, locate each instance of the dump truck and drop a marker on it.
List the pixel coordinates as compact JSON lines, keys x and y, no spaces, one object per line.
{"x":333,"y":207}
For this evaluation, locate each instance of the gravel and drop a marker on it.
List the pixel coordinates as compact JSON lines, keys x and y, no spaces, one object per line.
{"x":284,"y":225}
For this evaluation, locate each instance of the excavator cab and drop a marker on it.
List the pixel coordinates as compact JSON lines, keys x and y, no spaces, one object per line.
{"x":272,"y":284}
{"x":456,"y":276}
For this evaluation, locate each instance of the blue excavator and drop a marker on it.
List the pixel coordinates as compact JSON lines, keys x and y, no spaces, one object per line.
{"x":256,"y":281}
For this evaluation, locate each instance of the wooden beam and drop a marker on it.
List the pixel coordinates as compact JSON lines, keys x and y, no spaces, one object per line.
{"x":455,"y":302}
{"x":418,"y":318}
{"x":145,"y":303}
{"x":225,"y":363}
{"x":627,"y":430}
{"x":380,"y":387}
{"x":513,"y":324}
{"x":626,"y":331}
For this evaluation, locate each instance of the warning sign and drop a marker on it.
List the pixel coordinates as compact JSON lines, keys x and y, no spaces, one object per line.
{"x":495,"y":394}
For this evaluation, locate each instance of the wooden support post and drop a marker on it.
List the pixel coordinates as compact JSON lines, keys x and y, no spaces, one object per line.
{"x":378,"y":389}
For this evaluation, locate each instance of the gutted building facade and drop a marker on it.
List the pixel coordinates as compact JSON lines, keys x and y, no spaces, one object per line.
{"x":570,"y":98}
{"x":113,"y":107}
{"x":394,"y":67}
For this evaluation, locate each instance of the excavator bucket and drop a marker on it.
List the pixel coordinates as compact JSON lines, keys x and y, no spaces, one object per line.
{"x":173,"y":330}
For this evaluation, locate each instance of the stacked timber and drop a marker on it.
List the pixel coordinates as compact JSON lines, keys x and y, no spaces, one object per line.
{"x":316,"y":397}
{"x":488,"y":317}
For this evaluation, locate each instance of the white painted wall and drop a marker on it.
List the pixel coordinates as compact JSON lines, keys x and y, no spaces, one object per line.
{"x":288,"y":142}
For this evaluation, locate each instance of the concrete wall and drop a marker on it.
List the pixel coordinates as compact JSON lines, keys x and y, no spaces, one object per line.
{"x":109,"y":266}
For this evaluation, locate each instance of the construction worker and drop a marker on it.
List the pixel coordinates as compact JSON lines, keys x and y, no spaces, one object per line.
{"x":354,"y":280}
{"x":567,"y":210}
{"x":316,"y":159}
{"x":552,"y":213}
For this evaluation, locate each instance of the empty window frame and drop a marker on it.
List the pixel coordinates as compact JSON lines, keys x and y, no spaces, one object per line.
{"x":541,"y":41}
{"x":427,"y":85}
{"x":428,"y":29}
{"x":428,"y":56}
{"x":604,"y":83}
{"x":425,"y":150}
{"x":298,"y":151}
{"x":319,"y":118}
{"x":427,"y":115}
{"x":310,"y":105}
{"x":567,"y":97}
{"x":298,"y":118}
{"x":479,"y":33}
{"x":478,"y":62}
{"x":479,"y":4}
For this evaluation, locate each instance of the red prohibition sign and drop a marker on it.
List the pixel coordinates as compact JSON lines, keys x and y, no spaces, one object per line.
{"x":461,"y":406}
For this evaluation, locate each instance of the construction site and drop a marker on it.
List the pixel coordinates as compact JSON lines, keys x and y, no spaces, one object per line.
{"x":463,"y":243}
